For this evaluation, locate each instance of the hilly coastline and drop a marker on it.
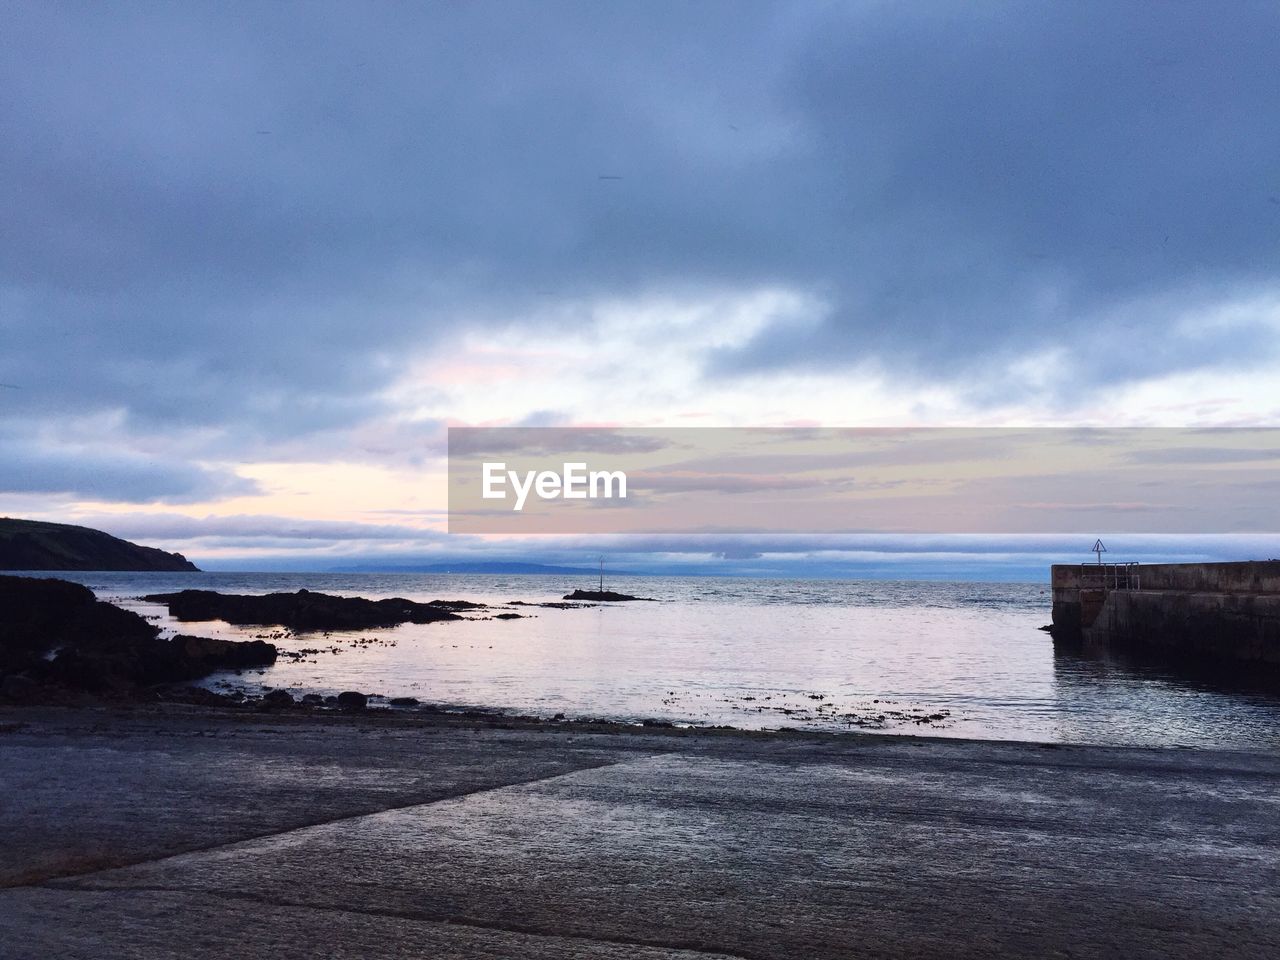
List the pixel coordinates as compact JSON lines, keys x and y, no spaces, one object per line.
{"x":37,"y":545}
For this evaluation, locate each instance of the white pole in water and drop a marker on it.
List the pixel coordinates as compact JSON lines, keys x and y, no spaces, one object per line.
{"x":602,"y":574}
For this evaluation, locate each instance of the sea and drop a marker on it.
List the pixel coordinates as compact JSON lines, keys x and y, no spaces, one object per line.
{"x":892,"y":657}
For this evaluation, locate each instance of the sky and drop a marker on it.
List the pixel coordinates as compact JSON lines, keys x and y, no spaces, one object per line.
{"x":256,"y":258}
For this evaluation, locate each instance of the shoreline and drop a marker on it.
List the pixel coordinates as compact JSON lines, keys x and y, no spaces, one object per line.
{"x":252,"y":663}
{"x":25,"y":717}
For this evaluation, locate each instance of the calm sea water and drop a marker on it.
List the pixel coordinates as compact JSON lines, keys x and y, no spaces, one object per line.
{"x":949,"y":659}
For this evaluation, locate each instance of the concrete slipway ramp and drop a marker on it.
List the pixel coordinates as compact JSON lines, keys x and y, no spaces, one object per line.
{"x":205,"y":834}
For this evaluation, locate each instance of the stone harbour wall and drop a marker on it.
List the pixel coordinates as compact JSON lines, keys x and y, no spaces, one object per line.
{"x":1227,"y":612}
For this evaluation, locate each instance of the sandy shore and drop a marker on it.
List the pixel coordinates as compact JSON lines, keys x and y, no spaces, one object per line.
{"x":187,"y":832}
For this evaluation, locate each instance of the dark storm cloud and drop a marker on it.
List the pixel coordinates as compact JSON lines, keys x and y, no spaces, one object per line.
{"x":1020,"y":176}
{"x":244,"y":217}
{"x":28,"y":467}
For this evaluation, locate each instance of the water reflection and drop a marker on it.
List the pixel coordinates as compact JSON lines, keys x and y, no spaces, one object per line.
{"x":946,"y":659}
{"x":1114,"y":696}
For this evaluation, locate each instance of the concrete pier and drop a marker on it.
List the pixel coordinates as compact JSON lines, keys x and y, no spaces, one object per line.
{"x":1223,"y":612}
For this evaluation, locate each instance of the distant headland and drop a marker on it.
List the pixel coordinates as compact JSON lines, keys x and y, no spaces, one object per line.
{"x":37,"y":545}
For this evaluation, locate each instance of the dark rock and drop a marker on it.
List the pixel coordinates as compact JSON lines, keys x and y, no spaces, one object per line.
{"x":278,"y":698}
{"x":509,"y":616}
{"x":19,"y":688}
{"x":312,"y":699}
{"x":40,"y":615}
{"x":351,"y":700}
{"x":60,"y":633}
{"x":601,"y":595}
{"x":210,"y":653}
{"x":553,"y":605}
{"x":199,"y":696}
{"x":403,"y":701}
{"x":305,"y":610}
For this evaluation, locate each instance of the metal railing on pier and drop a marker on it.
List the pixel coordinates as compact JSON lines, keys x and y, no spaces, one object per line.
{"x":1111,"y":576}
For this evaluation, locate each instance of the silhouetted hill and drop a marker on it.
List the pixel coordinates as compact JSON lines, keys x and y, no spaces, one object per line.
{"x":36,"y":545}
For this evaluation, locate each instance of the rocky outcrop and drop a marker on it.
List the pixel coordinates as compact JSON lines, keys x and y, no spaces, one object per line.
{"x":39,"y":617}
{"x":306,"y":611}
{"x":352,"y":700}
{"x":552,"y":605}
{"x":201,"y":656}
{"x":607,"y":596}
{"x":37,"y":545}
{"x":56,"y":635}
{"x":277,"y":698}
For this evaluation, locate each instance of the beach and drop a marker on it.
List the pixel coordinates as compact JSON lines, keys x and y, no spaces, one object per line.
{"x":167,"y":795}
{"x":157,"y":831}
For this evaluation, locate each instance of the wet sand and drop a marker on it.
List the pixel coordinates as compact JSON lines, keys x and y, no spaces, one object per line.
{"x":191,"y":832}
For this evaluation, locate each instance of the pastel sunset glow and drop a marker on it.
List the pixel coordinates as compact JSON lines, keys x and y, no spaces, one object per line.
{"x":283,"y":254}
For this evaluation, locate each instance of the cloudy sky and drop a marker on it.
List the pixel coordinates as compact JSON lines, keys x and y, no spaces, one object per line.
{"x":255,"y":258}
